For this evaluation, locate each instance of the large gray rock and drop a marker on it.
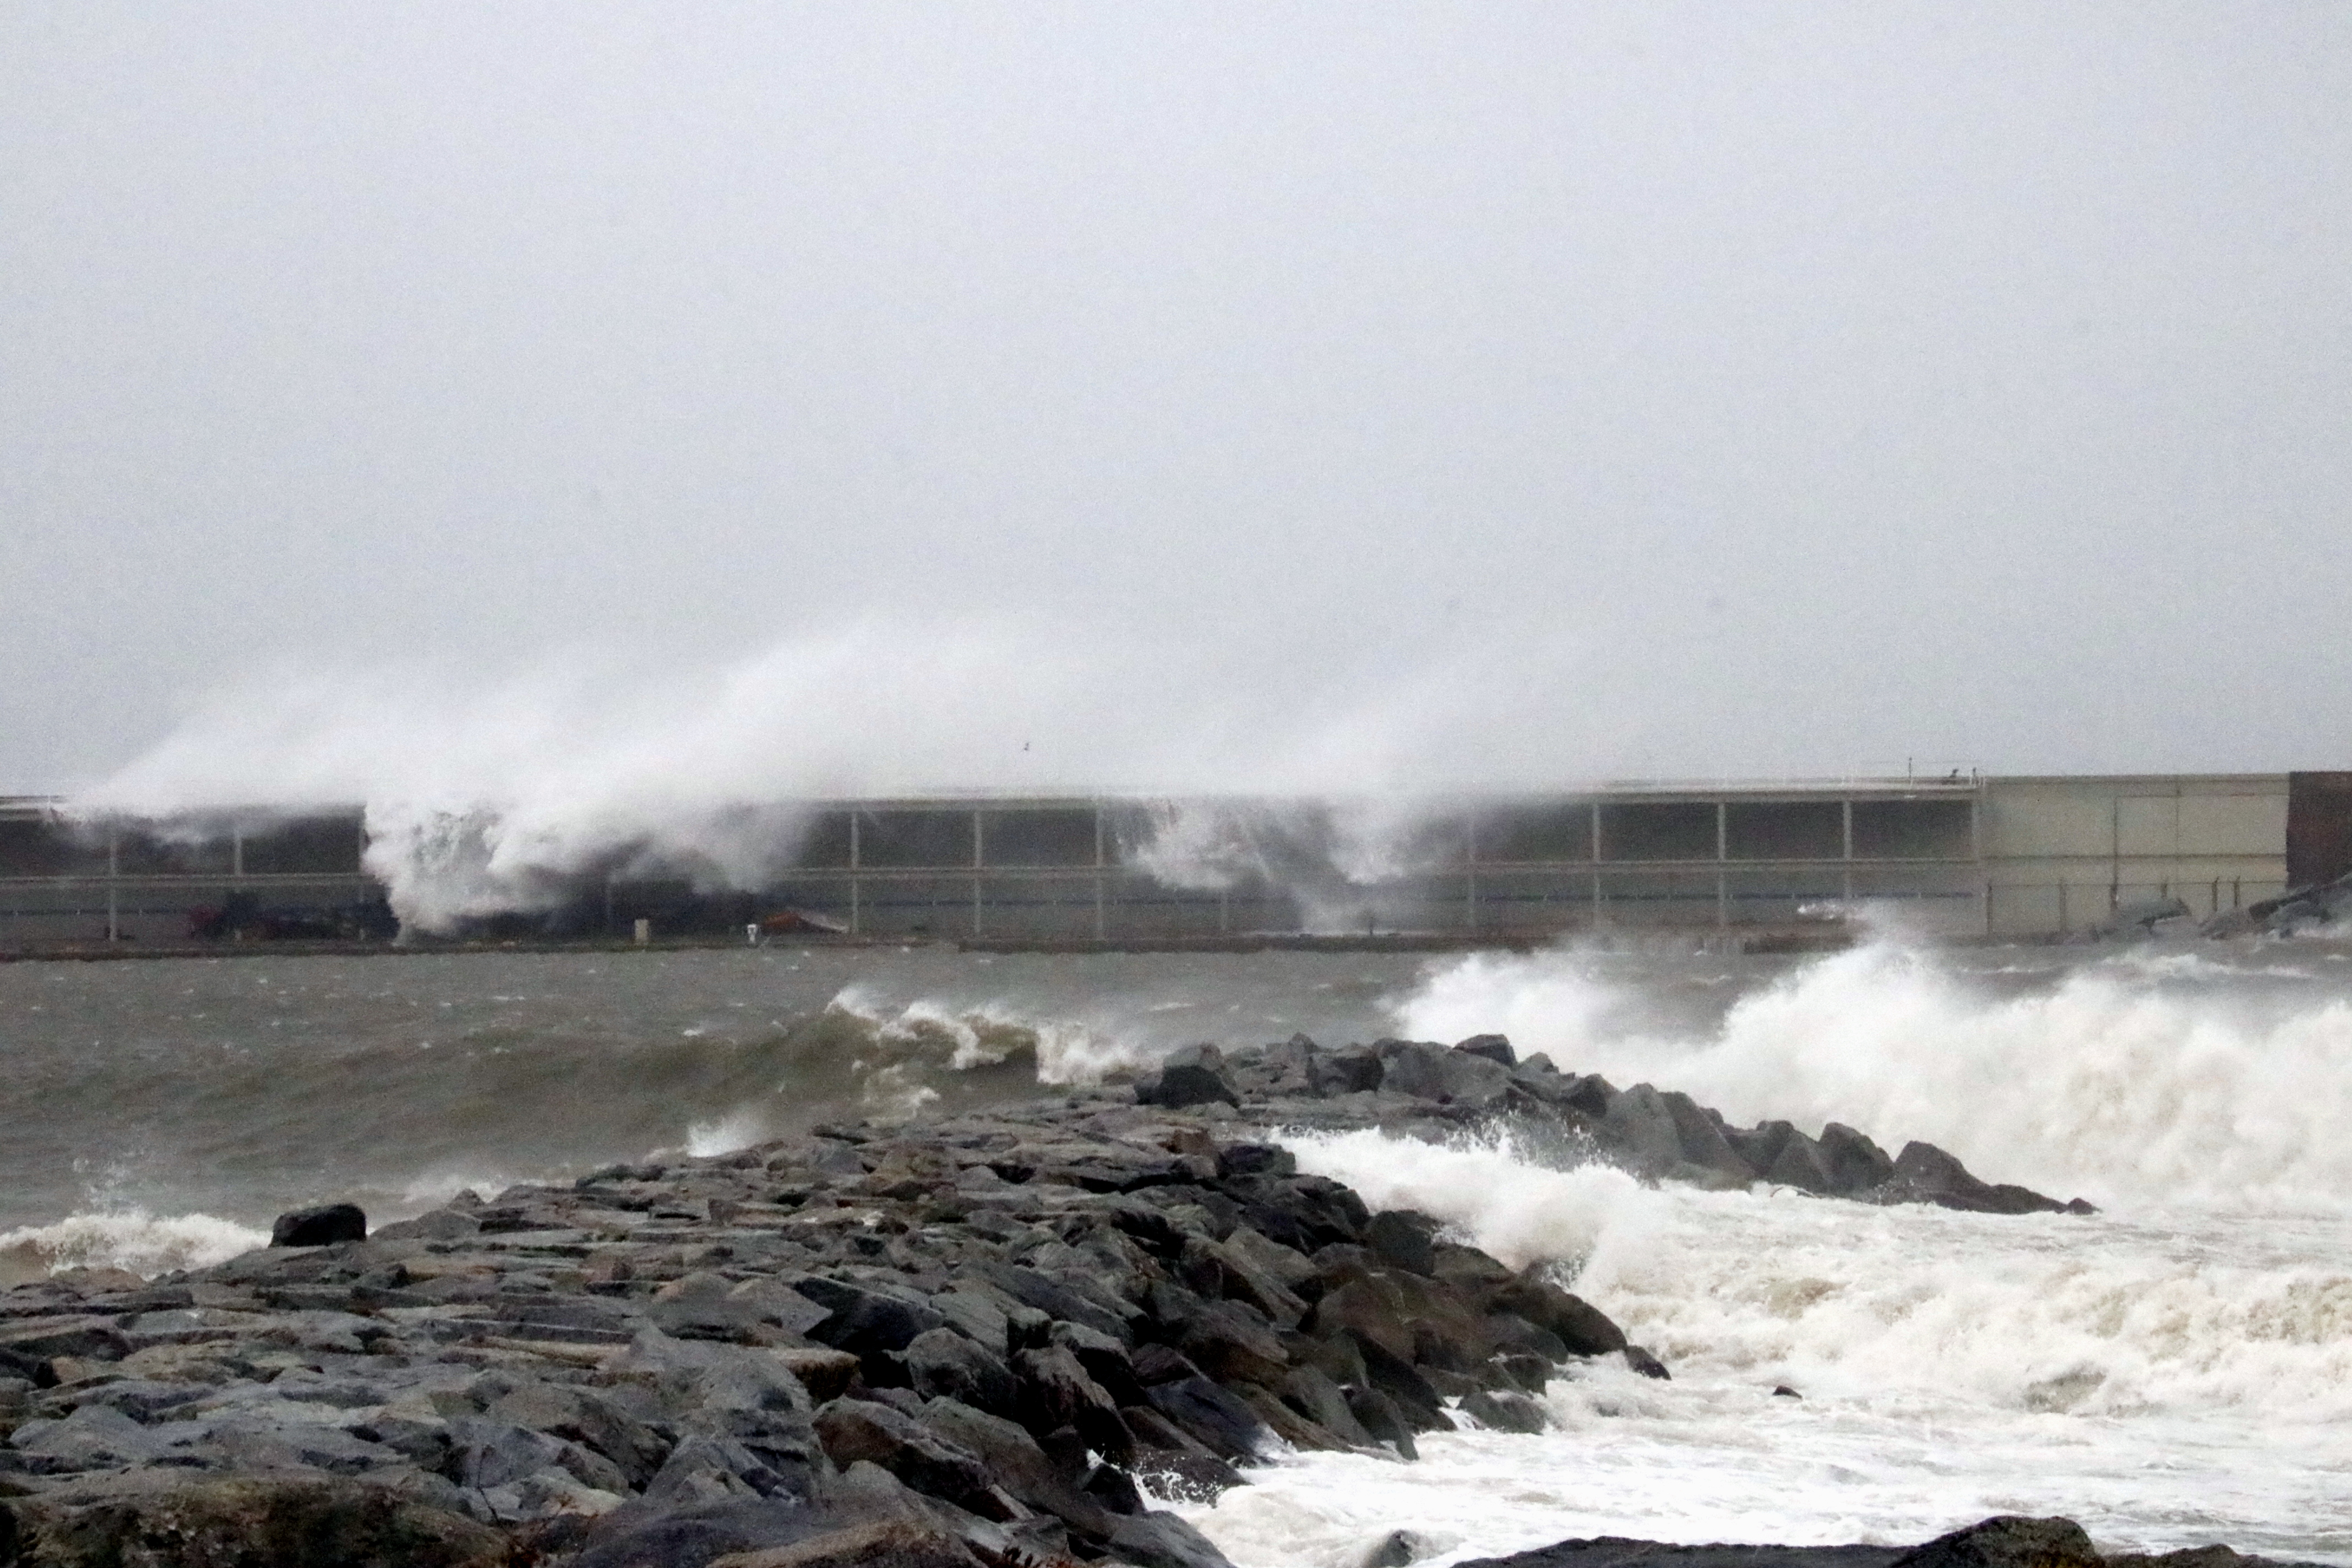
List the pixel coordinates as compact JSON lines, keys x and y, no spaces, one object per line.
{"x":1639,"y":1117}
{"x":1700,"y":1137}
{"x":1924,"y":1172}
{"x":1015,"y":1463}
{"x":856,"y":1429}
{"x":1504,"y":1411}
{"x":1195,"y":1074}
{"x":943,"y":1364}
{"x":1799,"y":1164}
{"x":1056,"y":1391}
{"x":1350,"y":1070}
{"x":1495,"y":1048}
{"x":251,"y":1521}
{"x":1220,"y":1422}
{"x":2007,"y":1541}
{"x":878,"y":1543}
{"x":864,"y":1317}
{"x":1442,"y":1073}
{"x":1855,"y":1162}
{"x":321,"y":1225}
{"x":1160,"y":1540}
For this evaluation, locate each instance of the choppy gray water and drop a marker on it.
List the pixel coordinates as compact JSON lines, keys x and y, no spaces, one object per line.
{"x":238,"y":1087}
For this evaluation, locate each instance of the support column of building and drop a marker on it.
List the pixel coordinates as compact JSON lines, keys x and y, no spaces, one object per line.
{"x":1722,"y":882}
{"x":977,"y":849}
{"x":856,"y":911}
{"x":1593,"y":811}
{"x":1470,"y":875}
{"x":1102,"y":926}
{"x":1845,"y":848}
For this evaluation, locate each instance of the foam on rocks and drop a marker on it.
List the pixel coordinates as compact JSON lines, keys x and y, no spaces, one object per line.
{"x":1009,"y":1338}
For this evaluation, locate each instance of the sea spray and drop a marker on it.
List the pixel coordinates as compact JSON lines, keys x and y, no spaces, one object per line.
{"x":2168,"y":1379}
{"x":1486,"y":1190}
{"x":2125,"y":1080}
{"x":487,"y":792}
{"x":132,"y":1239}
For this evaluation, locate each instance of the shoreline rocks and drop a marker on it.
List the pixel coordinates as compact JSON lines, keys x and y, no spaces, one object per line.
{"x":977,"y":1339}
{"x":2005,"y":1540}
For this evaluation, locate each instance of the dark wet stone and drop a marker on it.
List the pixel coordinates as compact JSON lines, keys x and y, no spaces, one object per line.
{"x":322,"y":1225}
{"x":1195,"y":1074}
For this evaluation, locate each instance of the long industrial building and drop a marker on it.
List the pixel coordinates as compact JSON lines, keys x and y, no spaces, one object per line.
{"x":2019,"y":857}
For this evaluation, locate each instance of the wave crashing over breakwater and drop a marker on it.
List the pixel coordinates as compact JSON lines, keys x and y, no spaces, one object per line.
{"x":2145,"y":1077}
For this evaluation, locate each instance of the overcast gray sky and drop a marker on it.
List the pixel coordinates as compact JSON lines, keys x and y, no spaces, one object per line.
{"x":1474,"y":391}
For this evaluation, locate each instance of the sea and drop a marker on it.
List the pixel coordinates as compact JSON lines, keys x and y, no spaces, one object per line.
{"x":2173,"y":1370}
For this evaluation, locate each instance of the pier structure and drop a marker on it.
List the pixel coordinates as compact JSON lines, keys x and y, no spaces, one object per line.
{"x":1960,"y":855}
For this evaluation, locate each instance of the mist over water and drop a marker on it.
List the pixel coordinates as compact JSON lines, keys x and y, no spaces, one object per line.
{"x":482,"y":792}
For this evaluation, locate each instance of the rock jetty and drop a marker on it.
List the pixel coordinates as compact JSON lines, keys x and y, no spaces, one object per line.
{"x":984,"y":1339}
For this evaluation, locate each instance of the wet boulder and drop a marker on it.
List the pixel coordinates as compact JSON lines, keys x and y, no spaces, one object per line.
{"x":1495,"y":1048}
{"x":1225,"y":1273}
{"x":943,"y":1365}
{"x":1216,"y":1419}
{"x":1446,"y":1076}
{"x":1404,"y":1239}
{"x":1310,"y":1391}
{"x":1925,"y":1174}
{"x":1700,"y":1137}
{"x":877,"y":1543}
{"x":1231,"y":1343}
{"x":1054,"y":1390}
{"x":1106,"y":1360}
{"x":1015,"y":1463}
{"x":1383,"y":1418}
{"x":1855,"y":1162}
{"x":1644,"y":1363}
{"x":2007,"y":1541}
{"x":1256,"y":1160}
{"x":1161,"y":1540}
{"x":1195,"y":1074}
{"x":321,"y":1225}
{"x":1799,"y":1164}
{"x":254,"y":1521}
{"x":1351,"y":1069}
{"x":1583,"y":1328}
{"x":1502,"y":1411}
{"x":1304,"y":1214}
{"x":856,"y":1429}
{"x":1640,"y":1118}
{"x":865,"y":1317}
{"x":1173,"y":1460}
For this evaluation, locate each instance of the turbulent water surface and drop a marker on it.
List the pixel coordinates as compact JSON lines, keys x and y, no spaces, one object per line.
{"x":2176,"y":1369}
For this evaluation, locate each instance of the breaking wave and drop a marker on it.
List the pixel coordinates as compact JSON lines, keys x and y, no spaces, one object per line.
{"x":2145,"y":1078}
{"x":132,"y":1240}
{"x":2168,"y":1380}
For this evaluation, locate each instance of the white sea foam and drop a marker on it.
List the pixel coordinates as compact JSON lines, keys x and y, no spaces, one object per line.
{"x":725,"y":1134}
{"x":986,"y":1033}
{"x":1521,"y":1213}
{"x":2166,"y":1380}
{"x":2119,"y":1080}
{"x":130,"y":1239}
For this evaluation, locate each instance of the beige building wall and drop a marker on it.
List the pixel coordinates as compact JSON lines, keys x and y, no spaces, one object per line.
{"x":2060,"y":854}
